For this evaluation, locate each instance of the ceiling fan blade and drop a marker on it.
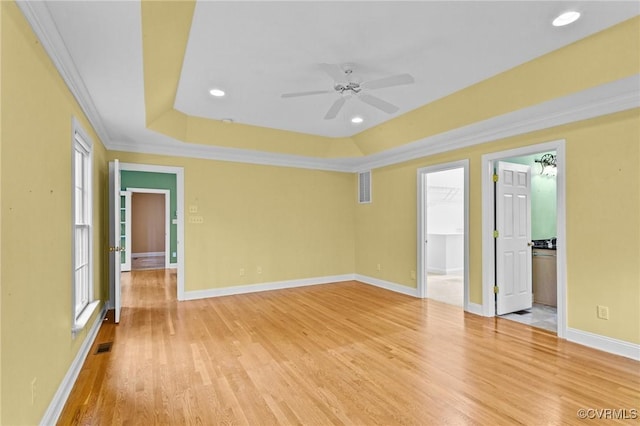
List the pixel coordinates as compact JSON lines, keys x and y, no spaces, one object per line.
{"x":313,"y":92}
{"x":335,"y":108}
{"x":333,"y":71}
{"x":374,"y":101}
{"x":394,"y":80}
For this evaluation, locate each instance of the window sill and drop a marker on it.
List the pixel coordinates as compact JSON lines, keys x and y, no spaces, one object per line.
{"x":84,"y":317}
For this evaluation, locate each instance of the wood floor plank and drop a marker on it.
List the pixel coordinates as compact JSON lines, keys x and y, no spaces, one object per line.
{"x":344,"y":353}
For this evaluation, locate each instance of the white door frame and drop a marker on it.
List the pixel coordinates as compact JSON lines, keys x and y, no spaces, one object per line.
{"x":126,"y":266}
{"x":422,"y":226}
{"x":179,"y":172}
{"x":488,"y":213}
{"x":167,"y":218}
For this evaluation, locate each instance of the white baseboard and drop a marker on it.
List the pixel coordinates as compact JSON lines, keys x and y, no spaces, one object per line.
{"x":253,"y":288}
{"x":60,"y":398}
{"x":388,"y":285}
{"x":474,"y":308}
{"x":148,"y":254}
{"x":604,"y":343}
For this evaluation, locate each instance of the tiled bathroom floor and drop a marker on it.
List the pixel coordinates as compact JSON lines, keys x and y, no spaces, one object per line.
{"x":541,"y":316}
{"x":450,"y":289}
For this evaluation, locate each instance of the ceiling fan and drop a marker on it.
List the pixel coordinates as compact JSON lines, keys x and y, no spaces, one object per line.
{"x":344,"y":85}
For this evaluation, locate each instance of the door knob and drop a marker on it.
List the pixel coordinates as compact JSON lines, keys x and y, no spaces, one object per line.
{"x":530,"y":244}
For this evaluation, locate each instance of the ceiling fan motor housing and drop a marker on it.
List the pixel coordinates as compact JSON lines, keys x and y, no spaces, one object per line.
{"x":351,"y":87}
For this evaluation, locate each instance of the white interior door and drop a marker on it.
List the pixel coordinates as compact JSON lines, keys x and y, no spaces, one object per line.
{"x":513,"y":244}
{"x":114,"y":236}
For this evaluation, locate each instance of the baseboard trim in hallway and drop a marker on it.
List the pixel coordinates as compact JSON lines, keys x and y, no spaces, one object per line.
{"x":62,"y":394}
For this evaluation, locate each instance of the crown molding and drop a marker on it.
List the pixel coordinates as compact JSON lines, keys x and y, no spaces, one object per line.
{"x":606,"y":99}
{"x":176,"y":148}
{"x":39,"y":18}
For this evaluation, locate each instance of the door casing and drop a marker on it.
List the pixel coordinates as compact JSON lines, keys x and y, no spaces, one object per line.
{"x":488,"y":212}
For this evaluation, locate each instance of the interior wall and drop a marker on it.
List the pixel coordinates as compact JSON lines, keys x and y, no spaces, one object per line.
{"x":1,"y":19}
{"x":262,"y":224}
{"x":147,"y":223}
{"x":386,"y":229}
{"x":36,"y":223}
{"x":152,"y":180}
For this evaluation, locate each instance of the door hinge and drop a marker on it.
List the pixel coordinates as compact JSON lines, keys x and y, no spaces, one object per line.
{"x":495,"y":233}
{"x":495,"y":178}
{"x":495,"y":289}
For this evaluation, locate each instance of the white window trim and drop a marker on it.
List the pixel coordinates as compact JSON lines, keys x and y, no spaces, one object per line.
{"x":81,"y":318}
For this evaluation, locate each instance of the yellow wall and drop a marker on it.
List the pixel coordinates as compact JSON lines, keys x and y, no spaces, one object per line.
{"x":1,"y":19}
{"x":296,"y":223}
{"x":603,"y":187}
{"x":293,"y":223}
{"x":36,"y":116}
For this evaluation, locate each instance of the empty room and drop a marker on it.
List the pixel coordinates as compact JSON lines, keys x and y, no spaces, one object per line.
{"x":316,"y":212}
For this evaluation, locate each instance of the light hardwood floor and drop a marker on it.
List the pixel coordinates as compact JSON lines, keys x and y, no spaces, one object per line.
{"x":343,"y":353}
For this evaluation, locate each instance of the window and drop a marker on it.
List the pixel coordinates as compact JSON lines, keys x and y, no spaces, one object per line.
{"x":82,"y":230}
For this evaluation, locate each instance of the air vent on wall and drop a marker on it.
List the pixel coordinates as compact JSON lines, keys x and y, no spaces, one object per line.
{"x":364,"y":187}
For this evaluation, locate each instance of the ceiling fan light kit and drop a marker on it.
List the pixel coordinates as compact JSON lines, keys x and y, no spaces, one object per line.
{"x":345,"y":86}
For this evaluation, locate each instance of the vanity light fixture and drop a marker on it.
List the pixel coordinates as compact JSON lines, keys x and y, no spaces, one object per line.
{"x":566,"y":18}
{"x":548,"y":164}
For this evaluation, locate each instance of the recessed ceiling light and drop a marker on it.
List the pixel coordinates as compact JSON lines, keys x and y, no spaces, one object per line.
{"x":357,"y":120}
{"x":218,"y":93}
{"x":566,"y":18}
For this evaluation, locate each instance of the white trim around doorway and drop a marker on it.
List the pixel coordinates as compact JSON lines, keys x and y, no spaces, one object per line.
{"x":179,"y":172}
{"x":421,"y":274}
{"x":488,"y":213}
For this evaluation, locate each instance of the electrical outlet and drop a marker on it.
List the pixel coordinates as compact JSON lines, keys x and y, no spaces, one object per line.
{"x":242,"y":272}
{"x":379,"y":267}
{"x":259,"y":269}
{"x":603,"y":312}
{"x":33,"y":390}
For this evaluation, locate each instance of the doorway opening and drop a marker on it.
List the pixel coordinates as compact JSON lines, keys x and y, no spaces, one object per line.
{"x":524,"y":247}
{"x":174,"y":239}
{"x":147,"y":230}
{"x":443,"y":223}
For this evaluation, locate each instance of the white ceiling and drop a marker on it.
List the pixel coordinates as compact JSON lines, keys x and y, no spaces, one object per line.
{"x":256,"y":51}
